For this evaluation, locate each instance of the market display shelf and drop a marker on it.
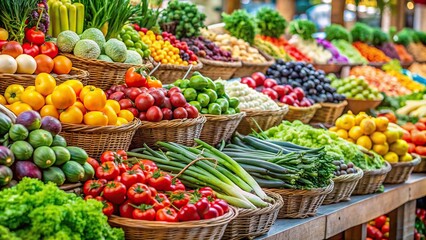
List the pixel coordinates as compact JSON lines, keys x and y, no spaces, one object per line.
{"x":336,"y":218}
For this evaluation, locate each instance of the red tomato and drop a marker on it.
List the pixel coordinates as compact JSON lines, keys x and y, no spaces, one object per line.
{"x":35,"y":36}
{"x":420,"y":126}
{"x":126,"y":209}
{"x":177,"y":100}
{"x":408,"y":126}
{"x":160,"y":201}
{"x":144,"y":212}
{"x":93,"y":187}
{"x":32,"y":50}
{"x":108,"y":156}
{"x":179,"y":198}
{"x":177,"y":185}
{"x":115,"y":192}
{"x":49,"y":49}
{"x":108,"y":171}
{"x":218,"y":208}
{"x":407,"y":136}
{"x":188,"y":213}
{"x":139,"y":193}
{"x":130,"y":177}
{"x":421,"y":150}
{"x":160,"y":181}
{"x":93,"y":163}
{"x":206,"y":192}
{"x":211,"y":213}
{"x":223,"y":204}
{"x":144,"y":101}
{"x":108,"y":208}
{"x":202,"y":206}
{"x":154,"y":114}
{"x":418,"y":137}
{"x":380,"y":221}
{"x":411,"y":147}
{"x":167,"y":214}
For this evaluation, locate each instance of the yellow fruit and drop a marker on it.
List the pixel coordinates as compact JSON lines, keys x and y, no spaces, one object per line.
{"x":378,"y":138}
{"x":368,"y":126}
{"x":406,"y":158}
{"x":391,"y":157}
{"x":361,"y":116}
{"x":121,"y":121}
{"x":350,"y":140}
{"x":355,"y":132}
{"x":399,"y":147}
{"x":381,"y":124}
{"x":365,"y":142}
{"x":381,"y":149}
{"x":345,"y":122}
{"x":333,"y":129}
{"x":342,"y":133}
{"x":391,"y":135}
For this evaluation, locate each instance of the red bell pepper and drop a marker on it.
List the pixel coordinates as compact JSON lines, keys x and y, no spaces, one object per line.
{"x":30,"y":49}
{"x":135,"y":77}
{"x":35,"y":36}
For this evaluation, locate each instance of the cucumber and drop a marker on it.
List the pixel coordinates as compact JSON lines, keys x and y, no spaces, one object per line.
{"x":18,"y":132}
{"x":62,"y":155}
{"x":73,"y":171}
{"x":55,"y":175}
{"x":22,"y":150}
{"x":5,"y":124}
{"x":44,"y":157}
{"x":89,"y":172}
{"x":78,"y":154}
{"x":58,"y":140}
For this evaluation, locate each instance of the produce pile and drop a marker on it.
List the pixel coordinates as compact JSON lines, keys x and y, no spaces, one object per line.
{"x":240,"y":25}
{"x":336,"y":57}
{"x":381,"y":40}
{"x":248,"y":97}
{"x":375,"y":134}
{"x":378,"y":79}
{"x":403,"y":55}
{"x":310,"y":47}
{"x":33,"y":210}
{"x":307,"y":136}
{"x":206,"y":96}
{"x":355,"y":87}
{"x":378,"y":228}
{"x":271,"y":49}
{"x":410,"y":39}
{"x":314,"y":83}
{"x":371,"y":53}
{"x":40,"y":152}
{"x":134,"y":43}
{"x":138,"y":189}
{"x":291,"y":50}
{"x":418,"y":68}
{"x":207,"y":49}
{"x":394,"y":68}
{"x":415,"y":135}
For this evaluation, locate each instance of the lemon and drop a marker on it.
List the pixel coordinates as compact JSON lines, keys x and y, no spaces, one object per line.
{"x":391,"y":135}
{"x":378,"y":138}
{"x":391,"y":157}
{"x":406,"y":158}
{"x":342,"y":133}
{"x":361,"y":116}
{"x":368,"y":126}
{"x":400,"y":147}
{"x":345,"y":122}
{"x":364,"y":141}
{"x":381,"y":123}
{"x":381,"y":149}
{"x":355,"y":132}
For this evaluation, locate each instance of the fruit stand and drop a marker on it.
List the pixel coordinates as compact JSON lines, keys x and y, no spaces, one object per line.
{"x":137,"y":121}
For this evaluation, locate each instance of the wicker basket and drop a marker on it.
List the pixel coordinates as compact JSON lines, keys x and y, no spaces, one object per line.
{"x":264,"y":119}
{"x":220,"y":127}
{"x":169,"y":27}
{"x":302,"y":203}
{"x":248,"y":68}
{"x":251,"y":223}
{"x":72,"y":188}
{"x":303,"y":114}
{"x":357,"y":106}
{"x":329,"y":112}
{"x":372,"y":180}
{"x":182,"y":131}
{"x":98,"y":139}
{"x":29,"y":79}
{"x":401,"y":171}
{"x":330,"y":68}
{"x":153,"y":230}
{"x":168,"y":73}
{"x":102,"y":74}
{"x":421,"y":167}
{"x":219,"y":69}
{"x":344,"y":185}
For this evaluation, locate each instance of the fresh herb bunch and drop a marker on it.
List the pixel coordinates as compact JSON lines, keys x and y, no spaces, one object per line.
{"x":240,"y":25}
{"x":337,"y":32}
{"x":187,"y":17}
{"x":108,"y":15}
{"x":146,"y":17}
{"x":43,"y":211}
{"x":270,"y":22}
{"x":13,"y":16}
{"x":405,"y":37}
{"x":362,"y":32}
{"x":421,"y":36}
{"x":303,"y":28}
{"x":379,"y":37}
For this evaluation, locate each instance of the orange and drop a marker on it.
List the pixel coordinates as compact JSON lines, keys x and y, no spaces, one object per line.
{"x":381,"y":149}
{"x":95,"y":100}
{"x":63,"y":97}
{"x":347,"y":121}
{"x":342,"y":133}
{"x":49,"y":110}
{"x":76,"y":85}
{"x":378,"y":138}
{"x":62,"y":65}
{"x":355,"y":132}
{"x":381,"y":123}
{"x":368,"y":126}
{"x":45,"y":64}
{"x":364,"y":141}
{"x":71,"y":115}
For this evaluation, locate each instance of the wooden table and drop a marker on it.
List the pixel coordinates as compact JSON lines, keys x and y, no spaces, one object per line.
{"x":347,"y":220}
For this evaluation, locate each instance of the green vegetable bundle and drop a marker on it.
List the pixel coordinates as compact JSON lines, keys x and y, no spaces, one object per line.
{"x":240,"y":25}
{"x":362,"y":32}
{"x":421,"y":36}
{"x":379,"y":37}
{"x":270,"y":22}
{"x":405,"y":37}
{"x":32,"y":210}
{"x":303,"y":28}
{"x":307,"y":136}
{"x":337,"y":32}
{"x":146,"y":17}
{"x":187,"y":17}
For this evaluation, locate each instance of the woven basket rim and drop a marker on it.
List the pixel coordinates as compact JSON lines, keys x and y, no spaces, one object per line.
{"x":311,"y":192}
{"x":411,"y":163}
{"x":234,"y":64}
{"x":350,"y":177}
{"x":278,"y":202}
{"x":174,"y":123}
{"x":66,"y":127}
{"x":196,"y":67}
{"x":331,"y":64}
{"x":144,"y":224}
{"x":305,"y":109}
{"x":77,"y":70}
{"x":211,"y":117}
{"x":334,"y":105}
{"x":380,"y":171}
{"x":256,"y":112}
{"x":269,"y":60}
{"x":102,"y":63}
{"x":361,"y":101}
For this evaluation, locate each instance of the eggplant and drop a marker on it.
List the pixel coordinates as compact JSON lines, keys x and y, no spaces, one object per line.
{"x":27,"y":169}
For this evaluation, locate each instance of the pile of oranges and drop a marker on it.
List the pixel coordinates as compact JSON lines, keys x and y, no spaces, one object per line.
{"x":375,"y":134}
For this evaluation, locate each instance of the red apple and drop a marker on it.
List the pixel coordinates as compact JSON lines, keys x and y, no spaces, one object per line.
{"x":133,"y":92}
{"x":270,"y":83}
{"x":287,"y":100}
{"x":293,"y":95}
{"x":117,"y":96}
{"x":158,"y":96}
{"x":134,"y":111}
{"x":144,"y":89}
{"x":249,"y":81}
{"x":271,"y":93}
{"x":167,"y":113}
{"x":144,"y":101}
{"x":259,"y":78}
{"x":192,"y":111}
{"x":300,"y":93}
{"x":289,"y":89}
{"x":173,"y":90}
{"x":281,"y":90}
{"x":125,"y":103}
{"x":142,"y":116}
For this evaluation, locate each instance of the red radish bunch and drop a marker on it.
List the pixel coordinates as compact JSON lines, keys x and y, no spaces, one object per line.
{"x":153,"y":104}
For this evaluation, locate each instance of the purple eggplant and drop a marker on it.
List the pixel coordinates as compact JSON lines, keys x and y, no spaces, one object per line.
{"x":27,"y":169}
